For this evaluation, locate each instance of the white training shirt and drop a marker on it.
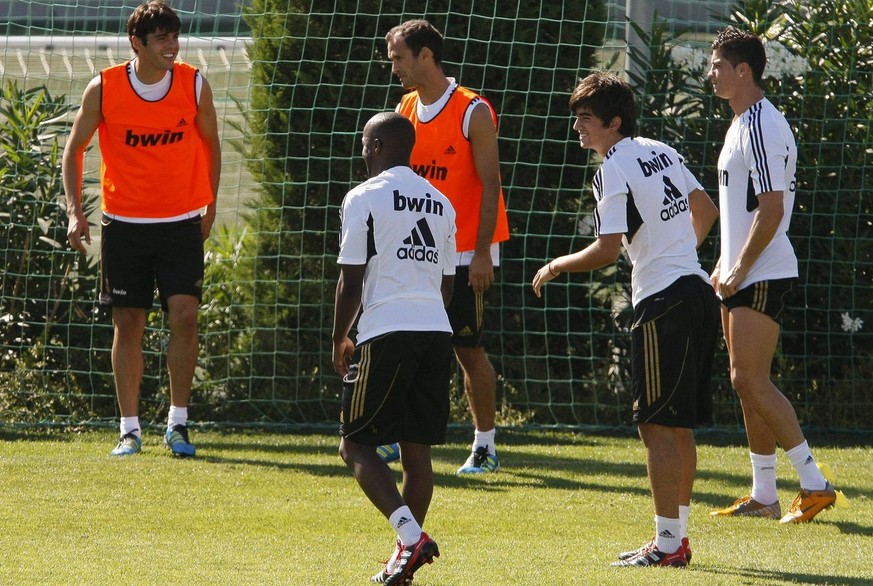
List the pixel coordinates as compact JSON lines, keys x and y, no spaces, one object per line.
{"x":403,"y":229}
{"x":642,"y":192}
{"x":759,"y":156}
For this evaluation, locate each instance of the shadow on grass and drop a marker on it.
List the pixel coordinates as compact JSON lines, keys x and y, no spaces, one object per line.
{"x":281,"y":447}
{"x":520,"y":467}
{"x":44,"y":433}
{"x":564,"y":473}
{"x":757,"y":575}
{"x":849,"y":528}
{"x":320,"y":470}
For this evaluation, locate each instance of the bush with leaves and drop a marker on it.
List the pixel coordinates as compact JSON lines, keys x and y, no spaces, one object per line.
{"x":47,"y":291}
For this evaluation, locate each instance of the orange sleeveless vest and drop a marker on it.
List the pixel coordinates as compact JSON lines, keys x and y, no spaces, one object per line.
{"x":444,"y":156}
{"x":154,"y":163}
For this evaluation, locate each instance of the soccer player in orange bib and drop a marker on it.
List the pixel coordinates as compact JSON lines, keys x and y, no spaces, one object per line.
{"x":161,"y":162}
{"x":456,"y":150}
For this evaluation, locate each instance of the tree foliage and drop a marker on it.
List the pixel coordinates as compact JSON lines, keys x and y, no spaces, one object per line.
{"x":319,"y":73}
{"x":46,"y":290}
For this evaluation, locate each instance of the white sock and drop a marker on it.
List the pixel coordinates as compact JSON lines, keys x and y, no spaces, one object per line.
{"x":810,"y":476}
{"x":407,"y":528}
{"x":485,"y":439}
{"x":684,"y":513}
{"x":764,"y":478}
{"x":130,"y":425}
{"x":667,"y":538}
{"x":177,"y":416}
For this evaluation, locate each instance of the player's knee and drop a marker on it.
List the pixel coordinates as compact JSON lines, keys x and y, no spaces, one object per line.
{"x":743,"y":381}
{"x":183,"y":318}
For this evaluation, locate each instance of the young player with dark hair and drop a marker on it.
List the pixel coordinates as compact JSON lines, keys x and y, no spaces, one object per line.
{"x":649,"y":202}
{"x":160,"y":171}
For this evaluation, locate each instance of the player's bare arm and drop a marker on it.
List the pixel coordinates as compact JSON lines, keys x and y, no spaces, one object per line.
{"x":764,"y":226}
{"x":85,"y":125}
{"x":483,"y":138}
{"x":447,"y":289}
{"x":207,"y":124}
{"x":704,"y":213}
{"x":349,"y":289}
{"x":600,"y":253}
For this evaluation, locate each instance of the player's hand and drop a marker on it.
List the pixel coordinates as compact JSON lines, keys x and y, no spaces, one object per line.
{"x":342,"y":352}
{"x":727,"y":286}
{"x":543,"y":276}
{"x":78,"y":231}
{"x":481,"y":272}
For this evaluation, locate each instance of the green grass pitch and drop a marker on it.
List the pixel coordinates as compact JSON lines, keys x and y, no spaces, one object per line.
{"x":270,"y":508}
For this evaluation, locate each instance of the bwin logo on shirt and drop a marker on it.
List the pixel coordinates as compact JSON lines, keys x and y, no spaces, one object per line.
{"x":419,"y":245}
{"x":656,"y":164}
{"x":674,"y":202}
{"x":432,"y":172}
{"x":146,"y":140}
{"x":425,"y":204}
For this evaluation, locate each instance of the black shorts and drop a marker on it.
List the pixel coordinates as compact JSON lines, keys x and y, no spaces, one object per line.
{"x":466,"y":312}
{"x":767,"y":297}
{"x":397,"y":389}
{"x":134,"y":258}
{"x":673,"y":343}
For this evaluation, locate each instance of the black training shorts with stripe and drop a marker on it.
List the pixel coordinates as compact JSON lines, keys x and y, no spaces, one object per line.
{"x":397,"y":389}
{"x":767,"y":297}
{"x":673,"y":343}
{"x":466,"y":312}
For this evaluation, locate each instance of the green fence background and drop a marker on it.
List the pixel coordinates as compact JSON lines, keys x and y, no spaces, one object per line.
{"x":295,"y":81}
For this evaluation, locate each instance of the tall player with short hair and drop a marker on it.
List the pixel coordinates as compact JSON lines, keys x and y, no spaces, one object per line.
{"x":650,"y":203}
{"x":756,"y":270}
{"x":397,"y":261}
{"x":456,"y":150}
{"x":160,"y":171}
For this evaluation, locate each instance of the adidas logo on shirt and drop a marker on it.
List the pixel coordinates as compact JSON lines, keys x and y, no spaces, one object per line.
{"x":419,"y":245}
{"x":451,"y":151}
{"x":674,"y":202}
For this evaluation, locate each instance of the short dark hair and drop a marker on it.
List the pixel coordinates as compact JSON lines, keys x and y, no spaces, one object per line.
{"x":395,"y":131}
{"x":742,"y":47}
{"x":418,"y":34}
{"x":607,"y":96}
{"x":148,"y":18}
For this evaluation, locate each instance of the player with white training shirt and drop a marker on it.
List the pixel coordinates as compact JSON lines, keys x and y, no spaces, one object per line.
{"x":397,"y":261}
{"x":755,"y":272}
{"x":650,"y":203}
